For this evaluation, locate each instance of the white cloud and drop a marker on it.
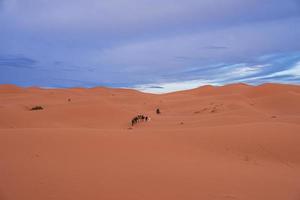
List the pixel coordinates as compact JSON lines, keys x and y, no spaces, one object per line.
{"x":172,"y":86}
{"x":247,"y":70}
{"x":293,"y":71}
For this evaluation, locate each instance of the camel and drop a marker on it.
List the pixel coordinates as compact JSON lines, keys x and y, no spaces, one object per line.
{"x":157,"y":111}
{"x":138,"y":119}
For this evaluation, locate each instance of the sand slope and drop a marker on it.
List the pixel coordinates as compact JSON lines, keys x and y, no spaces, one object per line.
{"x":230,"y":142}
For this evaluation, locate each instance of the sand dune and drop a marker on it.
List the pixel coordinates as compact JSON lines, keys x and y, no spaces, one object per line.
{"x":231,"y":142}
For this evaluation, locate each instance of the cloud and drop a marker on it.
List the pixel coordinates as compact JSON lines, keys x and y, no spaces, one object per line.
{"x":284,"y":68}
{"x":245,"y":42}
{"x":172,"y":86}
{"x":17,"y":62}
{"x":247,"y":70}
{"x":143,"y":14}
{"x":293,"y":71}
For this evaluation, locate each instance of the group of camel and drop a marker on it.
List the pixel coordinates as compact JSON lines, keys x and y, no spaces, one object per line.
{"x":138,"y":119}
{"x":142,"y":118}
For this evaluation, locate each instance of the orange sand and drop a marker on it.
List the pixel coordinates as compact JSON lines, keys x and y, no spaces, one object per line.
{"x":211,"y":143}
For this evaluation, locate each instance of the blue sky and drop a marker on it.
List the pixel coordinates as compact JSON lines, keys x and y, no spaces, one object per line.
{"x":150,"y":45}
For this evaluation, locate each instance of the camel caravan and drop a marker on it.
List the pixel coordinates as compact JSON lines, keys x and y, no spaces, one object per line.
{"x":139,"y":118}
{"x":142,"y":118}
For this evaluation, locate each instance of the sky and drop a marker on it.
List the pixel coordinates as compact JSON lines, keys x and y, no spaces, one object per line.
{"x":151,"y":45}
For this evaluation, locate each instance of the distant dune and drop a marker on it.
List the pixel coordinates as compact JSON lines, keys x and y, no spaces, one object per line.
{"x":211,"y":143}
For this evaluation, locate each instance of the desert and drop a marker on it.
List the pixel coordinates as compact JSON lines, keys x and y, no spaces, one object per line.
{"x":214,"y":142}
